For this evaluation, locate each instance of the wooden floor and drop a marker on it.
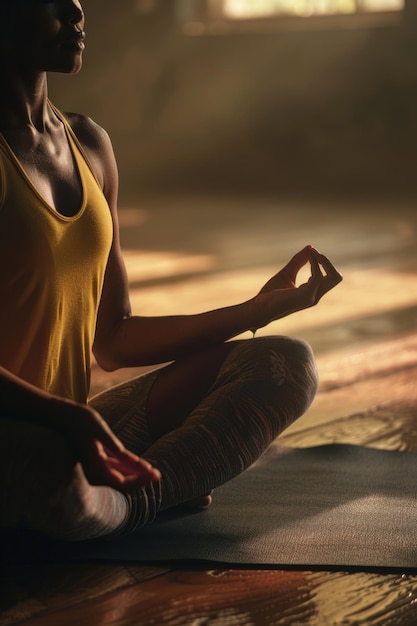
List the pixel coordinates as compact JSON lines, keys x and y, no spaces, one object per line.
{"x":365,"y":342}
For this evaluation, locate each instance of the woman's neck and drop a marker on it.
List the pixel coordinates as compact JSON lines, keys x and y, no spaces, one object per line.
{"x":24,"y":101}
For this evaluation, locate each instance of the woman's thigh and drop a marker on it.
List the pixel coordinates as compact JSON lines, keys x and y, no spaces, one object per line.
{"x":125,"y":409}
{"x":143,"y":409}
{"x":181,"y":386}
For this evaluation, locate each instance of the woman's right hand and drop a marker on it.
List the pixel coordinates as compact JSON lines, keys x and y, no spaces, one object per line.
{"x":104,"y":458}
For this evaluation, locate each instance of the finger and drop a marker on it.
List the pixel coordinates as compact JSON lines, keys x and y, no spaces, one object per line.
{"x":125,"y":461}
{"x":139,"y":478}
{"x":108,"y":441}
{"x":328,"y":266}
{"x":133,"y":482}
{"x":139,"y":467}
{"x":128,"y":481}
{"x":296,"y":263}
{"x":121,"y":482}
{"x":313,"y":284}
{"x":99,"y":472}
{"x":316,"y":273}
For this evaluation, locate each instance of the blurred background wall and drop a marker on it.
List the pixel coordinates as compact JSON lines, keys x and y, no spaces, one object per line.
{"x":329,"y":111}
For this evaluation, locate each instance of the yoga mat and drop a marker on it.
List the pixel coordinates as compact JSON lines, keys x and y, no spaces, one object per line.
{"x":339,"y":506}
{"x":332,"y":506}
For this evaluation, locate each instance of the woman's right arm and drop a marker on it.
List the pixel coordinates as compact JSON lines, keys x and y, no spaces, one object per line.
{"x":23,"y":401}
{"x":104,"y":458}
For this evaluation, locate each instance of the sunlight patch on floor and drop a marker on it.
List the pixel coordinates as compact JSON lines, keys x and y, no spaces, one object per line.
{"x":146,"y":266}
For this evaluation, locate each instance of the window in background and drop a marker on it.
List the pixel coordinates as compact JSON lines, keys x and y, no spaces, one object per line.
{"x":203,"y":17}
{"x":250,"y":9}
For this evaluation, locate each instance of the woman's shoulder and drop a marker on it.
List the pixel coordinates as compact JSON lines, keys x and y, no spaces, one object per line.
{"x":97,"y":147}
{"x":90,"y":134}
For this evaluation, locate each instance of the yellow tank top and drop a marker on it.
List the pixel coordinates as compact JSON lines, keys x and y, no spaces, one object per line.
{"x":51,"y":276}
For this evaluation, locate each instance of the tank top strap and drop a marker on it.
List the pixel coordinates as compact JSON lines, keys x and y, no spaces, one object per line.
{"x":74,"y":139}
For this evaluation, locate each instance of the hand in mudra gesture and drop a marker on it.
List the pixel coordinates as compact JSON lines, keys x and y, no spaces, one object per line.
{"x":281,"y":296}
{"x":104,"y":458}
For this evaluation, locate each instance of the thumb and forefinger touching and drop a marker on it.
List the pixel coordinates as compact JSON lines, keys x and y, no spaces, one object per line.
{"x":323,"y":280}
{"x":330,"y":277}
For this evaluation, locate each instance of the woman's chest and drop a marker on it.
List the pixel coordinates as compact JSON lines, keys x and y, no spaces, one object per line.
{"x":50,"y":167}
{"x":54,"y":174}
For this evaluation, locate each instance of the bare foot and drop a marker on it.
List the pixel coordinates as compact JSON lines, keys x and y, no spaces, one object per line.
{"x":202,"y":502}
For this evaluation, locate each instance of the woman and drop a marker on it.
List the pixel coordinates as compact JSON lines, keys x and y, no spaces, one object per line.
{"x":76,"y":468}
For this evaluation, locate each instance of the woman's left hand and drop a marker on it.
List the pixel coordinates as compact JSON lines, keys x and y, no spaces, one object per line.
{"x":280,"y":296}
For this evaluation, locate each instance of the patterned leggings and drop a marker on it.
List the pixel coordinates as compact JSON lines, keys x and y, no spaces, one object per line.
{"x":262,"y":387}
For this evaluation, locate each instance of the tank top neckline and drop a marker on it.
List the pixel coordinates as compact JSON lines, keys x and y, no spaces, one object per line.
{"x":76,"y":160}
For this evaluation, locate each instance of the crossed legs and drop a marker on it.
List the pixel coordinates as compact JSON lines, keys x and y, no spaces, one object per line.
{"x":209,"y":417}
{"x":201,"y":421}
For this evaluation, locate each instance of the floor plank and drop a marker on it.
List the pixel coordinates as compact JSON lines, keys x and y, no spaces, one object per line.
{"x":247,"y":598}
{"x":36,"y":588}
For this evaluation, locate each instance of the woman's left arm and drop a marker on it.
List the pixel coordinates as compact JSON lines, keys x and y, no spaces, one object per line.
{"x":136,"y":340}
{"x":124,"y":340}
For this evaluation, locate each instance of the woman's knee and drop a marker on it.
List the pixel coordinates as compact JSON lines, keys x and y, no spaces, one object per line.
{"x":285,"y":364}
{"x":294,"y":368}
{"x":282,"y":356}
